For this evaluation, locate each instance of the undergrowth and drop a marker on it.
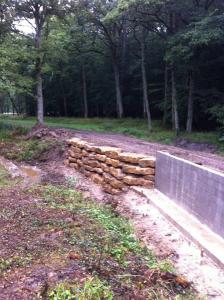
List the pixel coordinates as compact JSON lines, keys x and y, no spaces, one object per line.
{"x":105,"y":243}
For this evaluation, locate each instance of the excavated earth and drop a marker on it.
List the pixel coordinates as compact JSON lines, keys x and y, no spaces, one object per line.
{"x":30,"y":243}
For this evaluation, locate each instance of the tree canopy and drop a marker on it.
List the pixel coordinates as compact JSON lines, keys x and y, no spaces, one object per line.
{"x":158,"y":59}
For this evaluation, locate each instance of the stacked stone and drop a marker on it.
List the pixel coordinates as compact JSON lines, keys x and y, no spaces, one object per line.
{"x":110,"y":167}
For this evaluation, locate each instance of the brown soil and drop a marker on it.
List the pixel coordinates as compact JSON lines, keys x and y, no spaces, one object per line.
{"x":34,"y":254}
{"x":31,"y":243}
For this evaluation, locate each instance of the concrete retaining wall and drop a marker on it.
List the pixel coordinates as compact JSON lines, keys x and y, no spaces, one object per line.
{"x":197,"y":189}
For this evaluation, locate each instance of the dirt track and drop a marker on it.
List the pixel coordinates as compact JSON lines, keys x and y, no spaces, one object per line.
{"x":139,"y":146}
{"x":199,"y":153}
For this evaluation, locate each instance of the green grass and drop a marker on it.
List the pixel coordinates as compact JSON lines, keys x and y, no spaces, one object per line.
{"x":4,"y":176}
{"x":27,"y":150}
{"x":131,"y":127}
{"x":106,"y":244}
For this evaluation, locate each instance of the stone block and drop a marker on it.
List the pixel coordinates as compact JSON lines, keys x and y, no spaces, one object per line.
{"x":100,"y":157}
{"x":72,"y":159}
{"x":148,"y":161}
{"x":80,"y":163}
{"x":105,"y":167}
{"x":110,"y":190}
{"x":98,"y":170}
{"x":113,"y":162}
{"x":135,"y":180}
{"x":129,"y":157}
{"x":110,"y":152}
{"x":85,"y":153}
{"x":138,"y":170}
{"x":149,"y":177}
{"x":77,"y":143}
{"x":90,"y":148}
{"x":88,"y":168}
{"x":115,"y":183}
{"x":76,"y":149}
{"x":74,"y":154}
{"x":117,"y":173}
{"x":91,"y":163}
{"x":74,"y":165}
{"x":98,"y":179}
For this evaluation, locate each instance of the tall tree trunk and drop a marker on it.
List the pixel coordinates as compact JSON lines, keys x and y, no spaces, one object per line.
{"x":85,"y":100}
{"x":13,"y":105}
{"x":39,"y":84}
{"x":65,"y":106}
{"x":118,"y":90}
{"x":175,"y":116}
{"x":144,"y":84}
{"x":166,"y":86}
{"x":190,"y":103}
{"x":40,"y":100}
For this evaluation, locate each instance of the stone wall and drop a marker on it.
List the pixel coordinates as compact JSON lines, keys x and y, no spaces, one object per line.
{"x":110,"y":167}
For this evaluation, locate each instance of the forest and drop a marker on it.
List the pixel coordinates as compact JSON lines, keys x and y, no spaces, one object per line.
{"x":111,"y":149}
{"x":153,"y":59}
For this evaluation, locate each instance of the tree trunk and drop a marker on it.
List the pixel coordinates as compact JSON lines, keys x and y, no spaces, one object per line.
{"x":190,"y":111}
{"x":14,"y":108}
{"x":144,"y":85}
{"x":65,"y":106}
{"x":118,"y":90}
{"x":175,"y":116}
{"x":39,"y":84}
{"x":40,"y":100}
{"x":85,"y":100}
{"x":166,"y":86}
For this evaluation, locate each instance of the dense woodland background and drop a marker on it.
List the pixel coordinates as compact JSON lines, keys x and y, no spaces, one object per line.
{"x":158,"y":59}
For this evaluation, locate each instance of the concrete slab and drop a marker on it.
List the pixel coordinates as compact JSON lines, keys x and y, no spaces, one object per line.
{"x":209,"y":242}
{"x":197,"y":189}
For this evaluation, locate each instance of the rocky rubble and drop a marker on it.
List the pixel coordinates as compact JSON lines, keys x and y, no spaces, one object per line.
{"x":110,"y":167}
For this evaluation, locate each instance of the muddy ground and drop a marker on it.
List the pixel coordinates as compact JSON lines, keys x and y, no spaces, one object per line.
{"x":39,"y":233}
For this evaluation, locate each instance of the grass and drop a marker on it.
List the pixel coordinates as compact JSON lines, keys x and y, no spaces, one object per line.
{"x":4,"y":176}
{"x":92,"y":237}
{"x":106,"y":244}
{"x":132,"y":127}
{"x":27,"y":151}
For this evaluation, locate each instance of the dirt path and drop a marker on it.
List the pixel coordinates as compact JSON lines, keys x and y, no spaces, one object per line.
{"x":131,"y":144}
{"x":199,"y":153}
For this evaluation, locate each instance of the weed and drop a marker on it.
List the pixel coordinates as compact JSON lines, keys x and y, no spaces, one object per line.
{"x":92,"y":289}
{"x":15,"y":261}
{"x":4,"y":176}
{"x":163,"y":266}
{"x":71,"y":181}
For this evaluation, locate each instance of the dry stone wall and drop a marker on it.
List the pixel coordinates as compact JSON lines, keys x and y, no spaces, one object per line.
{"x":110,"y":167}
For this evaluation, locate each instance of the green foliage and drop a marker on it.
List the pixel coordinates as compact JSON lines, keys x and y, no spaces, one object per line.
{"x":92,"y":289}
{"x":28,"y":150}
{"x":4,"y":176}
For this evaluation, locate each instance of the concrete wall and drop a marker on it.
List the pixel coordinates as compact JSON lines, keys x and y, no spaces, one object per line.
{"x":198,"y":189}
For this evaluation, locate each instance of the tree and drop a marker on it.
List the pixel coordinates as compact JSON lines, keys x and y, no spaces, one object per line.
{"x":41,"y":12}
{"x":112,"y":33}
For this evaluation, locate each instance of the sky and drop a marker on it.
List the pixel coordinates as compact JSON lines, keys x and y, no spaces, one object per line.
{"x":24,"y":26}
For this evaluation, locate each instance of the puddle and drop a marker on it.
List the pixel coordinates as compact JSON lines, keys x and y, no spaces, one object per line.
{"x":31,"y":173}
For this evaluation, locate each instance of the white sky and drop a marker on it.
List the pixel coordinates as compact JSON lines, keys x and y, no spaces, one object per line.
{"x":24,"y":26}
